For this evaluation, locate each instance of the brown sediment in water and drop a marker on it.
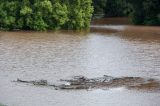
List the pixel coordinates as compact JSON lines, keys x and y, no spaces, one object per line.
{"x":58,"y":55}
{"x":123,"y":21}
{"x":113,"y":21}
{"x":130,"y":32}
{"x":148,"y":34}
{"x":154,"y":30}
{"x":103,"y":30}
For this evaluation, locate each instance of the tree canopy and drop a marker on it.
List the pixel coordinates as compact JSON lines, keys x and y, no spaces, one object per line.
{"x":73,"y":14}
{"x":45,"y":14}
{"x":144,"y":12}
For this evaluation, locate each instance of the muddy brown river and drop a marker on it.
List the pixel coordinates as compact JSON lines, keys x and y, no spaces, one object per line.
{"x":114,"y":50}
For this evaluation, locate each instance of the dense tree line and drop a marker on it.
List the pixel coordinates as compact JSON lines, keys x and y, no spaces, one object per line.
{"x":45,"y":14}
{"x":111,"y":8}
{"x":145,"y":12}
{"x":73,"y":14}
{"x":99,"y":6}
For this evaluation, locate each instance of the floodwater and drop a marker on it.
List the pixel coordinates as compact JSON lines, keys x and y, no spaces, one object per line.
{"x":115,"y":50}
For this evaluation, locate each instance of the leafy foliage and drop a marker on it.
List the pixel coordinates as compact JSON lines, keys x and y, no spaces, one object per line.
{"x":99,"y":6}
{"x":45,"y":14}
{"x":111,"y":8}
{"x":145,"y":12}
{"x":116,"y":8}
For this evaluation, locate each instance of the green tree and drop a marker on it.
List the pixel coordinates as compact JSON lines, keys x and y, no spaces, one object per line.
{"x":111,"y":8}
{"x":99,"y":6}
{"x":145,"y":12}
{"x":115,"y":8}
{"x":45,"y":14}
{"x":80,"y":13}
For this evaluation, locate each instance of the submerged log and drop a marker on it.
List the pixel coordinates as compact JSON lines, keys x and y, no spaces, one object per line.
{"x":81,"y":82}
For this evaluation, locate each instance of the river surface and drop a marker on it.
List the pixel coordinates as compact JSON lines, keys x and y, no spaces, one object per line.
{"x":115,"y":50}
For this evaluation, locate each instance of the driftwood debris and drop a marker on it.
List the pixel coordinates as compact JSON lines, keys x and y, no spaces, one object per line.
{"x":81,"y":82}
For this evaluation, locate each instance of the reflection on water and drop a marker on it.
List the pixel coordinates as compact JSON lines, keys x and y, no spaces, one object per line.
{"x":109,"y":27}
{"x":130,"y":51}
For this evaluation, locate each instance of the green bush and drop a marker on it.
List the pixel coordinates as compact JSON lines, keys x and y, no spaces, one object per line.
{"x":45,"y":14}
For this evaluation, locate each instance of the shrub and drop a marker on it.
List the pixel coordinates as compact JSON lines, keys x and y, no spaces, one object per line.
{"x":45,"y":14}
